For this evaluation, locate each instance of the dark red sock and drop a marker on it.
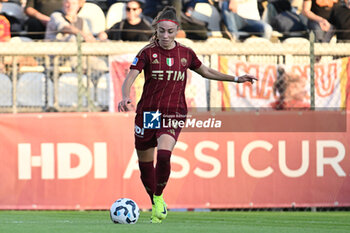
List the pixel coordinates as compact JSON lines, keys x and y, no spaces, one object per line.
{"x":162,"y":170}
{"x":148,"y":177}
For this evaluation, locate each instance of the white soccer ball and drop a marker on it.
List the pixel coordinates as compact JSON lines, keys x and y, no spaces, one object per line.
{"x":124,"y":211}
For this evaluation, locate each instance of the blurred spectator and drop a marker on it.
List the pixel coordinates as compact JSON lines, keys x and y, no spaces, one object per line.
{"x":81,"y":4}
{"x":64,"y":25}
{"x":340,"y":18}
{"x":298,"y":6}
{"x":283,"y":18}
{"x":190,"y":27}
{"x":13,"y":16}
{"x":152,"y":7}
{"x":261,"y":7}
{"x":39,"y":12}
{"x":291,"y":89}
{"x":5,"y":26}
{"x":21,"y":3}
{"x":133,"y":28}
{"x":318,"y":13}
{"x":195,"y":29}
{"x":243,"y":15}
{"x":189,"y":5}
{"x":5,"y":34}
{"x":274,"y":7}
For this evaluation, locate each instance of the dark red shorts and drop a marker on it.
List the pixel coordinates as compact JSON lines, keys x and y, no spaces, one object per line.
{"x":147,"y":138}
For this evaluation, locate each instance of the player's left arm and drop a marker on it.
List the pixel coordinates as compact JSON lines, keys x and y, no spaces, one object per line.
{"x":210,"y":73}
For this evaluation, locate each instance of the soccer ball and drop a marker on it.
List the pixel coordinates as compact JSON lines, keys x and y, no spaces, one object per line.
{"x":124,"y":211}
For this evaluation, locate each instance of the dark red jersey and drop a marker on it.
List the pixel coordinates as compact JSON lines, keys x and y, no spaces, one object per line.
{"x":165,"y":77}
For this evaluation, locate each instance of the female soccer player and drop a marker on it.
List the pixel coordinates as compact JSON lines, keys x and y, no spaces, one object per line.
{"x":164,"y":62}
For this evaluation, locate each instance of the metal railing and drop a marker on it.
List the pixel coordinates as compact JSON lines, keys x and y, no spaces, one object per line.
{"x":89,"y":61}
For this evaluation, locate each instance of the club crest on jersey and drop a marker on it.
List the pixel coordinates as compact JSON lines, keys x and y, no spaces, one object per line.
{"x":183,"y":61}
{"x":170,"y":61}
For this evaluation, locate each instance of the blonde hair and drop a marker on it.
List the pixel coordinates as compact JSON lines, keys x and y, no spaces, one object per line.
{"x":168,"y":14}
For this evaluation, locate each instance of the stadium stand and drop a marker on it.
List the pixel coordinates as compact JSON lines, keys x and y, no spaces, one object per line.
{"x":13,"y":9}
{"x":260,"y":59}
{"x":296,"y":40}
{"x":297,"y":59}
{"x":185,"y":41}
{"x":28,"y":63}
{"x":102,"y":91}
{"x":101,"y":3}
{"x":5,"y":90}
{"x":15,"y":14}
{"x":213,"y":42}
{"x":20,"y":39}
{"x":94,"y":17}
{"x":32,"y":92}
{"x":218,"y":40}
{"x":115,"y":14}
{"x":208,"y":13}
{"x":68,"y":90}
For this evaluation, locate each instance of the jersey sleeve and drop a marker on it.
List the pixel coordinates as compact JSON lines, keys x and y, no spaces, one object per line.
{"x":139,"y":61}
{"x":195,"y":62}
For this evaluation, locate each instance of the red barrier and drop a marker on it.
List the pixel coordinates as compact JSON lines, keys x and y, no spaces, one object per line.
{"x":87,"y":161}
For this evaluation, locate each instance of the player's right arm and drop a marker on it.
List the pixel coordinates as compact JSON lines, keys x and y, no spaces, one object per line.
{"x":129,"y":80}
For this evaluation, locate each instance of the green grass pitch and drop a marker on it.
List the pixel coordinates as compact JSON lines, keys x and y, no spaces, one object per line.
{"x":179,"y":222}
